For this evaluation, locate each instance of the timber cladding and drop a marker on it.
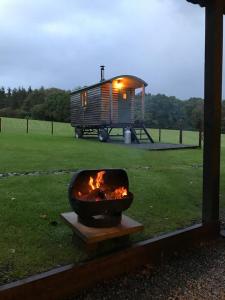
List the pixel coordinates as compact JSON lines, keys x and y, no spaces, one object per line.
{"x":110,"y":102}
{"x":109,"y":115}
{"x":89,"y":114}
{"x":98,"y":108}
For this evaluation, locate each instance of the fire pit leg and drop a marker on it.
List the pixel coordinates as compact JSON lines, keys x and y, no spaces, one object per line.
{"x":76,"y":241}
{"x":122,"y":241}
{"x":90,"y":248}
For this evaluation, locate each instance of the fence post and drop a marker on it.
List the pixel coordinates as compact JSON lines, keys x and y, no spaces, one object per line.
{"x":159,"y":134}
{"x":52,"y":127}
{"x":181,"y":136}
{"x":200,"y":134}
{"x":27,"y":130}
{"x":0,"y":124}
{"x":200,"y":138}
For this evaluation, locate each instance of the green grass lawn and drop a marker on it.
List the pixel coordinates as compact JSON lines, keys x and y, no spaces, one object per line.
{"x":167,"y":187}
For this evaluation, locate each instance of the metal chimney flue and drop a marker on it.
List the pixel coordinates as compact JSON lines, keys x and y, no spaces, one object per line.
{"x":102,"y":73}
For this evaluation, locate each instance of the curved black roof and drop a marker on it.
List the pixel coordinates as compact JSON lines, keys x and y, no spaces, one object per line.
{"x":110,"y":80}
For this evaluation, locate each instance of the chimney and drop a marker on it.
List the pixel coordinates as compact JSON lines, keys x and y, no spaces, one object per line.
{"x":102,"y":73}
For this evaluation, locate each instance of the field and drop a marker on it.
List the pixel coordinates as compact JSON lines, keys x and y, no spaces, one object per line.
{"x":167,"y":187}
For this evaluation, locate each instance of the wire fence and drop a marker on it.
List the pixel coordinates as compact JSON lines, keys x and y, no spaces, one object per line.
{"x":28,"y":126}
{"x":177,"y":136}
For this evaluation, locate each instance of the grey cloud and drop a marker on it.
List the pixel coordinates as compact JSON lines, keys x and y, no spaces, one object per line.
{"x":62,"y":43}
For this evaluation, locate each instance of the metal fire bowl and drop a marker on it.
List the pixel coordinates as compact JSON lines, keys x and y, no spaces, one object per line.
{"x":108,"y":211}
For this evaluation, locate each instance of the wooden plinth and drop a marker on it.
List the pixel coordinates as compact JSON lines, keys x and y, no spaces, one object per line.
{"x":91,"y":236}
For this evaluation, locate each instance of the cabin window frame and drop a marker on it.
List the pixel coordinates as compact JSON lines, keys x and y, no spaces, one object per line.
{"x":84,"y":99}
{"x":122,"y":95}
{"x":126,"y":94}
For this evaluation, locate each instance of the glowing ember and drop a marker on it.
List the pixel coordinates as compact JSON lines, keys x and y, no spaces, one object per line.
{"x":98,"y":190}
{"x":120,"y":192}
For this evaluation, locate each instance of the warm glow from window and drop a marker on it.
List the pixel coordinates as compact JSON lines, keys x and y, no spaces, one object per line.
{"x":84,"y":99}
{"x":119,"y":84}
{"x":124,"y":96}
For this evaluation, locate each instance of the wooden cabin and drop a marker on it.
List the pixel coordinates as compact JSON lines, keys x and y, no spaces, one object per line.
{"x":106,"y":105}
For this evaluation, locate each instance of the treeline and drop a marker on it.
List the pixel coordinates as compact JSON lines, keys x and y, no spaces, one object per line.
{"x":42,"y":104}
{"x":161,"y":111}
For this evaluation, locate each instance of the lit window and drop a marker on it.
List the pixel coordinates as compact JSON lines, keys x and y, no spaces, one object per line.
{"x":118,"y":84}
{"x":84,"y":99}
{"x":124,"y":96}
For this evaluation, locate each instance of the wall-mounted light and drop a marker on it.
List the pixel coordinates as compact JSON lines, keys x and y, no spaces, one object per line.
{"x":119,"y":84}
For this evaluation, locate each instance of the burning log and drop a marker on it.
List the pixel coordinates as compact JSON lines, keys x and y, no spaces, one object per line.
{"x":94,"y":195}
{"x":98,"y":190}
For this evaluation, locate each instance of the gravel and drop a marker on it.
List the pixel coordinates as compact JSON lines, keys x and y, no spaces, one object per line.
{"x":195,"y":274}
{"x":37,"y":173}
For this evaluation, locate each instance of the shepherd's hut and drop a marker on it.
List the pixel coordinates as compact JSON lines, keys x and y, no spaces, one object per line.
{"x":108,"y":104}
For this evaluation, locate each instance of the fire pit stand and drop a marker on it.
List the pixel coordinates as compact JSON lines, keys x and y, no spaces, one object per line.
{"x":92,"y":236}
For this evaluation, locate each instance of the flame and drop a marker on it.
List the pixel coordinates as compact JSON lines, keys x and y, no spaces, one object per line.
{"x":120,"y":192}
{"x":98,"y":190}
{"x":91,"y":183}
{"x":99,"y":181}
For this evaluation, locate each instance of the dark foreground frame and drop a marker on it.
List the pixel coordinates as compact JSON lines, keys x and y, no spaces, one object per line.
{"x":71,"y":279}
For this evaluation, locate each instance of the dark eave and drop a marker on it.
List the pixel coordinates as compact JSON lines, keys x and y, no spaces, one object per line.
{"x":110,"y":80}
{"x":204,"y":3}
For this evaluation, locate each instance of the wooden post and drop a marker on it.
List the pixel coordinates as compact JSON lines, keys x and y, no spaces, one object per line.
{"x":52,"y":128}
{"x":181,"y":136}
{"x":0,"y":124}
{"x":27,"y":127}
{"x":159,"y":134}
{"x":200,"y":138}
{"x":111,"y":102}
{"x":212,"y":110}
{"x":143,"y":103}
{"x":200,"y":133}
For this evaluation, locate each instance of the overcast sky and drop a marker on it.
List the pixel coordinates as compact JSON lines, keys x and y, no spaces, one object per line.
{"x":62,"y":43}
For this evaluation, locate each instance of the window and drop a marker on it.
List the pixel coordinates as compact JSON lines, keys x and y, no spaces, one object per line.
{"x":123,"y":95}
{"x":84,"y":99}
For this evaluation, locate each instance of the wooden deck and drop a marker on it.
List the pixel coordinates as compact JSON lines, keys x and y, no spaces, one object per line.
{"x":155,"y":146}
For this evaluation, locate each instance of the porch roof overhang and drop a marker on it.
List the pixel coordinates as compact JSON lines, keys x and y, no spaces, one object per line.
{"x":128,"y":81}
{"x":205,"y":3}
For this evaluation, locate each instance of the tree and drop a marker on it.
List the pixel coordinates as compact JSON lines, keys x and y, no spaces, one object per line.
{"x":56,"y":106}
{"x":2,"y":98}
{"x":34,"y":98}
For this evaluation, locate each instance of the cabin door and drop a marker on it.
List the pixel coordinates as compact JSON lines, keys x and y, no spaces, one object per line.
{"x":124,"y":107}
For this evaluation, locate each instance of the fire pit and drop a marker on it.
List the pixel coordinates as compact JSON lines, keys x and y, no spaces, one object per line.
{"x":99,"y":196}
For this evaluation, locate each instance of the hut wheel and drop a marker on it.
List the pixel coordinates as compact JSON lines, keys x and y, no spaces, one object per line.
{"x":78,"y":133}
{"x":103,"y":135}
